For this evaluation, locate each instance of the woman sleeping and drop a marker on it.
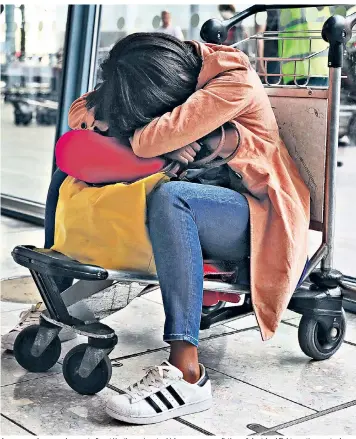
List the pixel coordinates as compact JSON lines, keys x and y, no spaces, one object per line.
{"x":159,"y":96}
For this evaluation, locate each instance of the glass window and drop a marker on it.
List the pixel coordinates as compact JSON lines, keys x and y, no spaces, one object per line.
{"x":31,"y":40}
{"x":183,"y":20}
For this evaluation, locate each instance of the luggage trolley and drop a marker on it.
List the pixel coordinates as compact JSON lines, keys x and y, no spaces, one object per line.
{"x":302,"y":112}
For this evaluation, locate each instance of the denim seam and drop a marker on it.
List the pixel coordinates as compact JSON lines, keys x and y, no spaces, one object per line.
{"x":189,"y":233}
{"x":187,"y":229}
{"x":167,"y":337}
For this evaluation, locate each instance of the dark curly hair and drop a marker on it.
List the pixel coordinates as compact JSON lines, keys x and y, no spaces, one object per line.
{"x":144,"y":76}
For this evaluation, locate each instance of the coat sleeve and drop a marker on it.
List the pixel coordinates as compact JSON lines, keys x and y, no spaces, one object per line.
{"x":79,"y":117}
{"x":224,"y":98}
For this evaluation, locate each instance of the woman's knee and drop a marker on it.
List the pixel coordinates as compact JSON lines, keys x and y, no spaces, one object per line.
{"x":163,"y":201}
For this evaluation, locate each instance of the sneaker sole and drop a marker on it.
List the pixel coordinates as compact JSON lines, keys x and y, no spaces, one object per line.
{"x":187,"y":409}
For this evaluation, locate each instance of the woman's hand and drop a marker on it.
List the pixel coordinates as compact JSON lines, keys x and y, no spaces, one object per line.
{"x":186,"y":154}
{"x":101,"y":125}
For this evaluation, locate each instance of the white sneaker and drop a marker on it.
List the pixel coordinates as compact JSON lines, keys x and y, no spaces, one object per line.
{"x":162,"y":394}
{"x":28,"y":318}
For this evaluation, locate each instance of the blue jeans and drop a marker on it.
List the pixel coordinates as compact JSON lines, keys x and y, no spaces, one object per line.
{"x":187,"y":223}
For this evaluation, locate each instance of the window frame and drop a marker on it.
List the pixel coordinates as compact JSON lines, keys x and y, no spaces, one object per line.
{"x":79,"y":60}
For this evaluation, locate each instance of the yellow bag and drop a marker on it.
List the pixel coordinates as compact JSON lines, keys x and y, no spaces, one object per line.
{"x":106,"y":225}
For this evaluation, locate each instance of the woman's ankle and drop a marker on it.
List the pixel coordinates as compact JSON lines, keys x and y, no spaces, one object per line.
{"x":184,"y":356}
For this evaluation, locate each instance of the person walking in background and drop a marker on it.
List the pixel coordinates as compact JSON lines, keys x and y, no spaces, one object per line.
{"x":236,"y":33}
{"x":268,"y":22}
{"x":168,"y":28}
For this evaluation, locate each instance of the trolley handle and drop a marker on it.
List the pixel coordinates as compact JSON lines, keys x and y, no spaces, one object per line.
{"x":337,"y":31}
{"x":215,"y":30}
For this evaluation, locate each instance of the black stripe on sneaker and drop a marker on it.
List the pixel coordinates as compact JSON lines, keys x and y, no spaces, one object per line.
{"x":175,"y":395}
{"x":153,"y":404}
{"x":164,"y":400}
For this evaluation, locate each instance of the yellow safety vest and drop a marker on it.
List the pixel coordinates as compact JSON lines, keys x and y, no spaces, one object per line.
{"x":296,"y":22}
{"x":351,"y":11}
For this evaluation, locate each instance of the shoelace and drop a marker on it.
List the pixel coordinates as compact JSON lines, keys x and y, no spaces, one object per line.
{"x":154,"y":379}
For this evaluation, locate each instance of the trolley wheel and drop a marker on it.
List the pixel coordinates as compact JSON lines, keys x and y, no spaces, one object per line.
{"x":318,"y":342}
{"x":22,"y":351}
{"x":17,"y":119}
{"x":40,"y":119}
{"x":27,"y":120}
{"x":209,"y":309}
{"x":95,"y":382}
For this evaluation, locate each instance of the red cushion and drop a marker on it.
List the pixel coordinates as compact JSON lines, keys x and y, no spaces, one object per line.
{"x":212,"y":298}
{"x":93,"y":158}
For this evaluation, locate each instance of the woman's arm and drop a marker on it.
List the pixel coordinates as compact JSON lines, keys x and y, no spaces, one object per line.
{"x":188,"y":153}
{"x":223,"y":99}
{"x":231,"y":140}
{"x":79,"y":117}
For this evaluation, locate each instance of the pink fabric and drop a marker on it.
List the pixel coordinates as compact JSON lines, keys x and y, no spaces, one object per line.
{"x":93,"y":158}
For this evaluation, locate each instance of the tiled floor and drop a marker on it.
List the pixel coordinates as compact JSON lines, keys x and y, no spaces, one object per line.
{"x":259,"y":387}
{"x":15,"y":233}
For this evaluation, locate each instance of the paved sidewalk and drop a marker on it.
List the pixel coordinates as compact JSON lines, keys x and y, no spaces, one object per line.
{"x":258,"y":387}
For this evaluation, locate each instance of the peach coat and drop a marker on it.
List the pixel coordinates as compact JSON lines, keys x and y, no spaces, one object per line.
{"x":229,"y":89}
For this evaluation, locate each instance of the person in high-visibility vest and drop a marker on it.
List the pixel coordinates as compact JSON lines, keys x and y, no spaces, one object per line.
{"x":293,"y":23}
{"x":268,"y":48}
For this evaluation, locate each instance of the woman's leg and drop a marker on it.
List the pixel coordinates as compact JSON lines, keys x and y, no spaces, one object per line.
{"x":188,"y":222}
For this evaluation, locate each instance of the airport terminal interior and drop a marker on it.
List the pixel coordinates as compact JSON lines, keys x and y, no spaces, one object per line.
{"x":50,"y":55}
